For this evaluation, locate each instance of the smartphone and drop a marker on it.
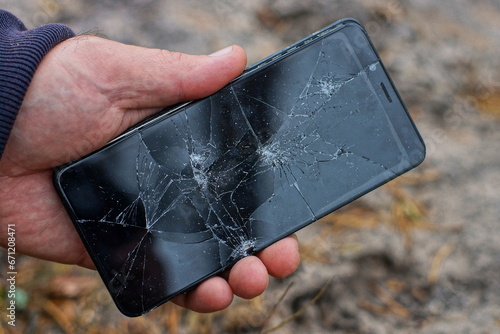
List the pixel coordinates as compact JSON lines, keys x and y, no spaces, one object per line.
{"x":186,"y":194}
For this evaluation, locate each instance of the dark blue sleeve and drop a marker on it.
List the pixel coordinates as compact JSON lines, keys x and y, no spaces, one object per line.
{"x":21,"y":51}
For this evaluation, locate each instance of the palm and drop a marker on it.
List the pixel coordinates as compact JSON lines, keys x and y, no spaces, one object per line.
{"x":51,"y":129}
{"x":85,"y":92}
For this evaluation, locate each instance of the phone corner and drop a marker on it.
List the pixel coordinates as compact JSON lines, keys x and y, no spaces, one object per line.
{"x":348,"y":21}
{"x":418,"y":154}
{"x":56,"y":175}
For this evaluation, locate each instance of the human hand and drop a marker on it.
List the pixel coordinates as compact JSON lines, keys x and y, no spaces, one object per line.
{"x":86,"y":91}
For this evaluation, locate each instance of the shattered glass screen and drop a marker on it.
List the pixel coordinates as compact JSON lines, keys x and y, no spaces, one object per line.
{"x":185,"y":196}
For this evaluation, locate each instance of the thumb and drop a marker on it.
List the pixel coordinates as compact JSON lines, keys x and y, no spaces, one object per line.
{"x":141,"y":78}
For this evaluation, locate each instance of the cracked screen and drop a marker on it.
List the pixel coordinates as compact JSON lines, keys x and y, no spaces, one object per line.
{"x":184,"y":196}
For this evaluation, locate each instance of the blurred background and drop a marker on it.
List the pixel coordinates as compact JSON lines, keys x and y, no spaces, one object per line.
{"x":419,"y":255}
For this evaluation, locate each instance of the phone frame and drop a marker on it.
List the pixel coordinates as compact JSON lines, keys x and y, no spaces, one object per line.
{"x":169,"y":111}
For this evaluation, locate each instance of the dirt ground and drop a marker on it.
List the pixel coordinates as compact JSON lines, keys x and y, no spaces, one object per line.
{"x":420,"y":255}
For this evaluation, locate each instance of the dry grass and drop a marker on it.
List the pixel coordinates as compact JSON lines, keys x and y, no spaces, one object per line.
{"x":489,"y":103}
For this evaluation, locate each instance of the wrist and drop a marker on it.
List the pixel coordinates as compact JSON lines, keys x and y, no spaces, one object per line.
{"x":21,"y":51}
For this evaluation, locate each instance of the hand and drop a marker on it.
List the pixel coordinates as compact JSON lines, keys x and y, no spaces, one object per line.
{"x":86,"y":91}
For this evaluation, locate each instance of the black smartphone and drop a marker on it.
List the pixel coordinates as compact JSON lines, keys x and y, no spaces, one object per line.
{"x":184,"y":195}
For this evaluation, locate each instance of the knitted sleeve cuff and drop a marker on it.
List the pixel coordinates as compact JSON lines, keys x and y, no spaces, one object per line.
{"x":21,"y":51}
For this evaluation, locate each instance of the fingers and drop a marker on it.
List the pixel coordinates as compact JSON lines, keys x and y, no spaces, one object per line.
{"x":281,"y":258}
{"x":175,"y":77}
{"x":211,"y":295}
{"x":248,"y":278}
{"x":85,"y":261}
{"x":139,"y":78}
{"x":199,"y":76}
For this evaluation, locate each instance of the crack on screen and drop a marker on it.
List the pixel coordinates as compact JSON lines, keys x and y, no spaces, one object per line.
{"x":203,"y":188}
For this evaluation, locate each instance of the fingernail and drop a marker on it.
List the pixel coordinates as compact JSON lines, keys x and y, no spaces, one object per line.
{"x":222,"y":52}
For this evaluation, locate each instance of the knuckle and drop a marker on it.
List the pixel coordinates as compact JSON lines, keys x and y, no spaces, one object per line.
{"x":171,"y":57}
